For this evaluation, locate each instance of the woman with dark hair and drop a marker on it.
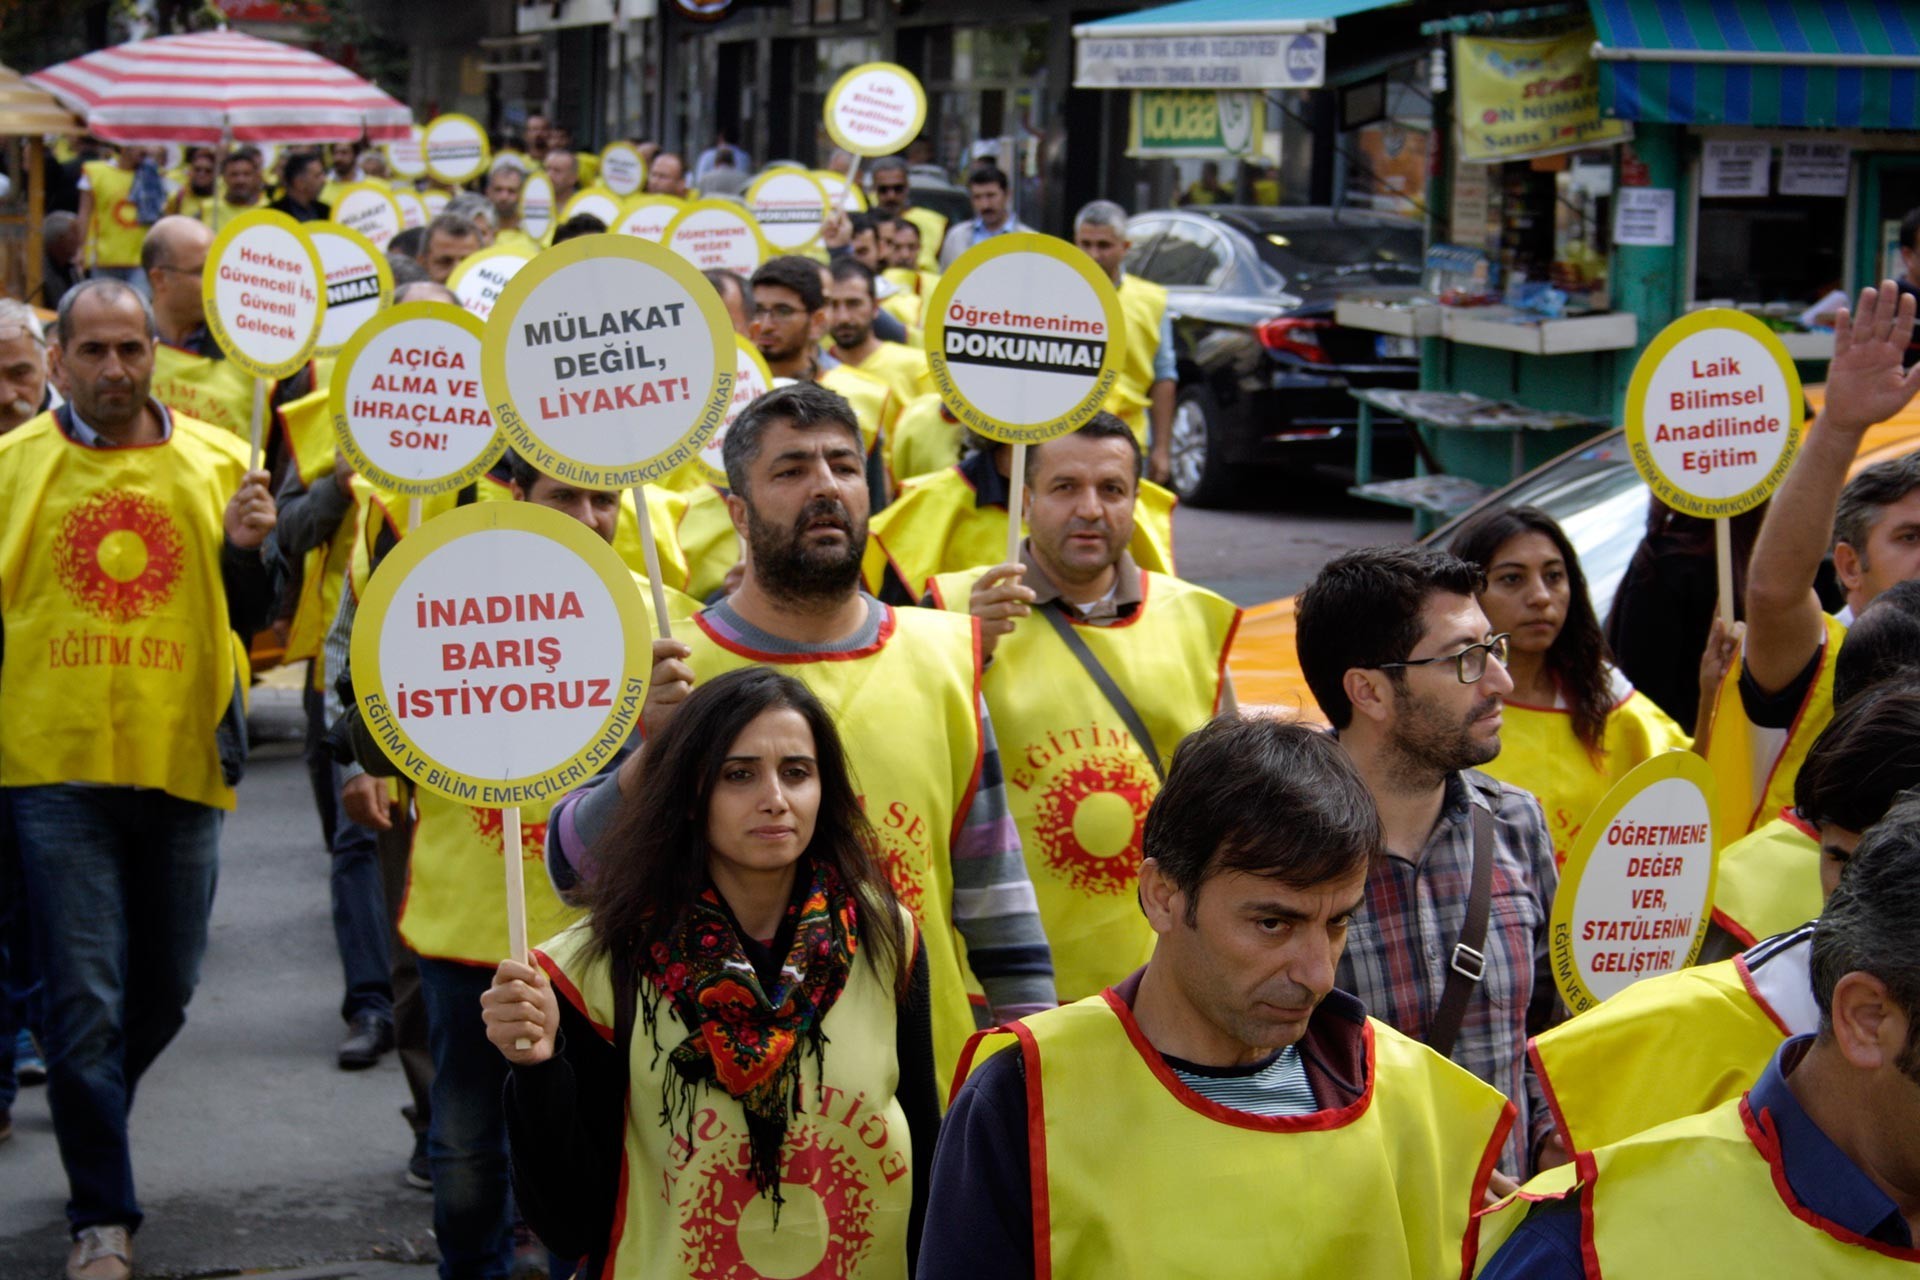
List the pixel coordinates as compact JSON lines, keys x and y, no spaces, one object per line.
{"x":1573,"y":726}
{"x":727,"y":1068}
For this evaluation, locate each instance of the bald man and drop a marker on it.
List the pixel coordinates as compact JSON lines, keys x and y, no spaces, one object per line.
{"x":667,"y":176}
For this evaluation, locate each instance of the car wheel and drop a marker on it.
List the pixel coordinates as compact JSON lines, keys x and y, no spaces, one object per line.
{"x":1198,"y":462}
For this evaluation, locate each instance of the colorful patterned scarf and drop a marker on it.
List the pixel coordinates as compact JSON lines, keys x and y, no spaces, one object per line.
{"x":745,"y":1037}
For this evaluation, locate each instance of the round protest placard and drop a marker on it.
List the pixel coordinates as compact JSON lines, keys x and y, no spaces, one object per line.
{"x":456,"y":149}
{"x":717,"y":235}
{"x":536,"y":207}
{"x":407,"y":156}
{"x":876,"y":109}
{"x":359,"y":282}
{"x":1635,"y":894}
{"x":648,"y":216}
{"x":368,"y":208}
{"x":409,"y":409}
{"x":480,"y":277}
{"x":1024,"y":338}
{"x":435,"y":202}
{"x":621,"y":169}
{"x":413,"y":211}
{"x":751,"y":380}
{"x":499,"y":654}
{"x":1714,"y":413}
{"x":516,"y":160}
{"x":263,"y":294}
{"x":595,"y":203}
{"x":791,"y":208}
{"x":839,"y":194}
{"x":608,"y":361}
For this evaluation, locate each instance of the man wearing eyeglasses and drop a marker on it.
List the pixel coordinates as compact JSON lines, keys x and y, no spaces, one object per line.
{"x":1451,"y":947}
{"x":893,"y":196}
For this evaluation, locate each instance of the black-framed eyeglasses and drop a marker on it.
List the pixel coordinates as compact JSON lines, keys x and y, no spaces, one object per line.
{"x":1470,"y":663}
{"x":888,"y":188}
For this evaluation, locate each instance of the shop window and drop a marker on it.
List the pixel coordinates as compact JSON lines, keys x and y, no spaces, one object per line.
{"x":1776,"y":251}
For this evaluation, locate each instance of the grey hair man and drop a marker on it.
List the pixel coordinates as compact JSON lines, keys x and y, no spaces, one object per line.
{"x":1143,"y":396}
{"x":24,"y":389}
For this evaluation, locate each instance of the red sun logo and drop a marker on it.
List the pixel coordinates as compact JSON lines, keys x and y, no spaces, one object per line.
{"x":1088,"y":822}
{"x":489,"y":826}
{"x":901,"y":861}
{"x":728,"y":1225}
{"x":119,"y":555}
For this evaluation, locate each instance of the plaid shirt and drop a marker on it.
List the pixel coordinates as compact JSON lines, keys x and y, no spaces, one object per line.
{"x":1400,"y":947}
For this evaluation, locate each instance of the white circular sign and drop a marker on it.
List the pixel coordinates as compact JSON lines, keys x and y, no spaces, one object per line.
{"x":263,"y":293}
{"x":536,"y":207}
{"x":409,"y":409}
{"x":1713,"y":413}
{"x":595,"y":204}
{"x":407,"y":156}
{"x":717,"y":235}
{"x":499,"y":653}
{"x":368,"y":208}
{"x":608,"y":361}
{"x":479,"y":278}
{"x":751,"y":380}
{"x":435,"y":203}
{"x":621,"y":170}
{"x":839,"y":194}
{"x":456,"y":149}
{"x":1635,"y":894}
{"x":359,"y":282}
{"x":790,"y":207}
{"x":876,"y":109}
{"x":648,"y":216}
{"x":413,"y":211}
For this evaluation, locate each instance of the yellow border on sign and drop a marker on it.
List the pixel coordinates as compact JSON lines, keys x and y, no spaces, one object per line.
{"x":210,"y":275}
{"x":934,"y":332}
{"x":383,"y":271}
{"x":739,"y":211}
{"x":553,"y":214}
{"x":865,"y":68}
{"x":705,"y":411}
{"x":635,"y":203}
{"x":826,"y":207}
{"x":381,"y":189}
{"x":343,"y":435}
{"x":1668,"y":764}
{"x":859,"y":196}
{"x":385,"y":588}
{"x":595,"y":192}
{"x":626,"y":147}
{"x":473,"y":260}
{"x":419,"y":140}
{"x":704,"y":469}
{"x":520,"y":160}
{"x":1664,"y":486}
{"x":448,"y":175}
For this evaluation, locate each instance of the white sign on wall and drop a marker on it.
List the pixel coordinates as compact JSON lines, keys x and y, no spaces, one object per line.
{"x":1286,"y":60}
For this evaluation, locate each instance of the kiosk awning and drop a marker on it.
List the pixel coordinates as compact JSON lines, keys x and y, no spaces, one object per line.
{"x":1212,"y":44}
{"x":1811,"y":64}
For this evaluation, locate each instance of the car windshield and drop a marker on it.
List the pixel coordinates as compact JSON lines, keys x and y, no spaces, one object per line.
{"x":1356,"y":253}
{"x":1601,"y":502}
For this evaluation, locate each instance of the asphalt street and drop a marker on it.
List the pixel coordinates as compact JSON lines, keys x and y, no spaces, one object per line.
{"x":252,"y":1151}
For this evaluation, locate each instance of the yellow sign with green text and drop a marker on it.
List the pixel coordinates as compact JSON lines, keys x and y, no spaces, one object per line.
{"x":1195,"y":122}
{"x":1515,"y":99}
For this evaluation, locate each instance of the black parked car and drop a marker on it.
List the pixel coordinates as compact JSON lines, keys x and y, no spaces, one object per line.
{"x":1264,"y":370}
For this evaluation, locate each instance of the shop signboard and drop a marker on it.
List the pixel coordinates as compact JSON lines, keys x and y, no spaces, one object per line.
{"x":1516,"y":99}
{"x":1199,"y":60}
{"x":1180,"y":123}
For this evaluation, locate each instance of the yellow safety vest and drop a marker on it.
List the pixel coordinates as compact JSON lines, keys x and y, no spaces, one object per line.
{"x":708,"y":541}
{"x":1673,"y":1045}
{"x":933,"y":232}
{"x":200,"y":208}
{"x":910,"y":710}
{"x":903,"y":370}
{"x":847,"y":1176}
{"x":1716,"y":1182}
{"x":905,"y":308}
{"x":223,"y":211}
{"x":924,"y":440}
{"x":324,"y":569}
{"x":1136,"y":1175}
{"x":1745,"y":800}
{"x":384,"y":518}
{"x":936,"y":526}
{"x":517,"y":240}
{"x":1078,"y":782}
{"x":215,"y":391}
{"x":664,"y":509}
{"x":873,"y":404}
{"x":1143,"y":304}
{"x":1539,"y":753}
{"x":119,"y":662}
{"x":115,"y":235}
{"x":1769,"y":882}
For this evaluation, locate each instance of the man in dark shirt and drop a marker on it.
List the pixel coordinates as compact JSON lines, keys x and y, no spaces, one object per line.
{"x":302,"y":176}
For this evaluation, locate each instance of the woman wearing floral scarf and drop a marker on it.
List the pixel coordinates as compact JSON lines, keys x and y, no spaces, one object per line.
{"x":728,"y":1066}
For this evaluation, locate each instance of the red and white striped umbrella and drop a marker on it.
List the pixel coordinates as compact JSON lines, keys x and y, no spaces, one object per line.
{"x":212,"y":85}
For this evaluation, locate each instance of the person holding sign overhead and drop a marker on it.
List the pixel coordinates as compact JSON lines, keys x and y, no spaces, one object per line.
{"x":1098,"y":669}
{"x":1572,"y":726}
{"x":1809,"y":1172}
{"x":131,"y":555}
{"x":903,"y":682}
{"x":741,"y":1024}
{"x":1768,"y":718}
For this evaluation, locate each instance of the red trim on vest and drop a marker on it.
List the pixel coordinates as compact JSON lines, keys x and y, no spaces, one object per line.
{"x":960,"y":811}
{"x":1036,"y":1152}
{"x":1791,"y":816}
{"x":564,"y":985}
{"x":1477,"y":1196}
{"x":1739,"y":932}
{"x":1583,"y":1163}
{"x":1766,"y":1141}
{"x":933,"y":590}
{"x":1546,"y":1087}
{"x":1311,"y":1121}
{"x":619,"y":1225}
{"x":1753,"y":989}
{"x":1127,"y":621}
{"x":1226,"y":651}
{"x":783,"y":659}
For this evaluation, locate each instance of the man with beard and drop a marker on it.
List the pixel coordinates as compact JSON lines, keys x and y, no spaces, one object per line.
{"x":851,"y":310}
{"x":902,"y":684}
{"x":1451,"y":947}
{"x":503,"y":193}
